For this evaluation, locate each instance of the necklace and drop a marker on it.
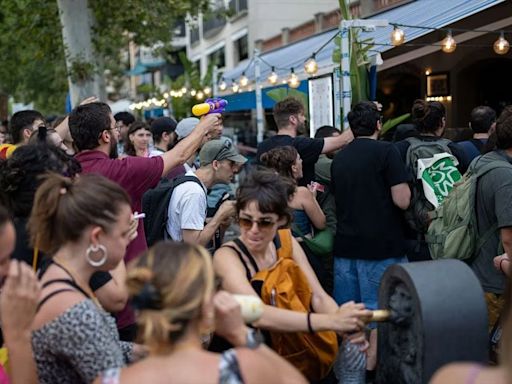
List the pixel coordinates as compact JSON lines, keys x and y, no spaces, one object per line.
{"x":85,"y":288}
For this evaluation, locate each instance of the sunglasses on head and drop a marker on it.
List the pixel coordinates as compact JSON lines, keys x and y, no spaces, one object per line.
{"x":263,"y":224}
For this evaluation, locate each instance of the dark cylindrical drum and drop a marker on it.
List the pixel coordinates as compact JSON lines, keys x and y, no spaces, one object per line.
{"x":440,"y":316}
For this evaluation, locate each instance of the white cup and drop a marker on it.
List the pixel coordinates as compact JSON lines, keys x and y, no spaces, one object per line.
{"x":250,"y":306}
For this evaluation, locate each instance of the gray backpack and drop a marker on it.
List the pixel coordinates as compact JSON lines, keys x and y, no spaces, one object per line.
{"x":418,"y":213}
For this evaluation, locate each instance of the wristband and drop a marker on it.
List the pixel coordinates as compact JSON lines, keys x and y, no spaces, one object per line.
{"x":310,"y":328}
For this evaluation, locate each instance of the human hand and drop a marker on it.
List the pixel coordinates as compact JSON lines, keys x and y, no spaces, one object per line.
{"x":349,"y":317}
{"x":212,"y":125}
{"x":502,"y":263}
{"x":359,"y":338}
{"x":228,"y":319}
{"x":134,"y":224}
{"x":226,"y":210}
{"x":18,"y":300}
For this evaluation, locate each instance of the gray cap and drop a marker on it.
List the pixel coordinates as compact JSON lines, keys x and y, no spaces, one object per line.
{"x":186,"y":126}
{"x":220,"y":149}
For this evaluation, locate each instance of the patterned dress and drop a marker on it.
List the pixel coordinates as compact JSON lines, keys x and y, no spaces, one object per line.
{"x":78,"y":345}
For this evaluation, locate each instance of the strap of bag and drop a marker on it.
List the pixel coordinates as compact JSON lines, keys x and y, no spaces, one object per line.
{"x":175,"y":182}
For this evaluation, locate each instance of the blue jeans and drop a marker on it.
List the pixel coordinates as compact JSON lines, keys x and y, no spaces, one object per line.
{"x":359,"y":280}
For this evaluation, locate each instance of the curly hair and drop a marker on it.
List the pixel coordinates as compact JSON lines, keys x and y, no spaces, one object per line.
{"x":20,"y":175}
{"x":281,"y":160}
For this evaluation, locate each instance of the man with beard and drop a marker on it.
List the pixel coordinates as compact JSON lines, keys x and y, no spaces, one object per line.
{"x":291,"y":125}
{"x":162,"y":130}
{"x":95,"y":135}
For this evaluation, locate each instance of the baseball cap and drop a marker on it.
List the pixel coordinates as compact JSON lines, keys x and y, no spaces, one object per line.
{"x":220,"y":149}
{"x":185,"y":127}
{"x":163,"y":124}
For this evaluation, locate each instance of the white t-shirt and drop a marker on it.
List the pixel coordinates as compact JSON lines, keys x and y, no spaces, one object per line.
{"x":156,"y":152}
{"x":187,"y":208}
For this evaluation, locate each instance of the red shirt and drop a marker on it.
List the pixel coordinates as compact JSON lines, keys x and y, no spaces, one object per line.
{"x":136,"y":175}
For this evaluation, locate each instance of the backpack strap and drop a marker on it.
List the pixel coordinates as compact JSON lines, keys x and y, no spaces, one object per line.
{"x":247,"y":271}
{"x":178,"y":180}
{"x":286,"y":248}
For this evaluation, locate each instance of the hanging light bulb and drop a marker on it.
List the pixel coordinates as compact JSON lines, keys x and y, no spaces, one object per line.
{"x":243,"y":80}
{"x":207,"y":91}
{"x":193,"y":92}
{"x":397,"y":36}
{"x":311,"y":66}
{"x":223,"y":85}
{"x":200,"y":95}
{"x":272,"y":78}
{"x":293,"y":80}
{"x":234,"y":87}
{"x":501,"y":46}
{"x":184,"y":90}
{"x":449,"y":44}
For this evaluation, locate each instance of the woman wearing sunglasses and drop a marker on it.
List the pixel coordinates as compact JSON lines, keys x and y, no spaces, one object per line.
{"x":178,"y":308}
{"x":262,"y":208}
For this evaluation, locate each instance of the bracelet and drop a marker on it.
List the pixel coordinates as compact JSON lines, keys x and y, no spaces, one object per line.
{"x":501,"y":267}
{"x":310,"y":328}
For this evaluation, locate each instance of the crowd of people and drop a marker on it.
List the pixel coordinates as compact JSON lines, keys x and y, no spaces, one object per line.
{"x":116,"y":267}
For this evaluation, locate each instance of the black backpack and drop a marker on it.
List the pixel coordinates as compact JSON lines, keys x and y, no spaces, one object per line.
{"x":155,"y":204}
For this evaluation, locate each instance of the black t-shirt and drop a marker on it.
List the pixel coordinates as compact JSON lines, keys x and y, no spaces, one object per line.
{"x":456,"y":150}
{"x":369,"y":224}
{"x":309,"y":150}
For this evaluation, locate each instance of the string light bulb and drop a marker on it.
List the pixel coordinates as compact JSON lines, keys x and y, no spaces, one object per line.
{"x":207,"y":91}
{"x":449,"y":44}
{"x":193,"y":92}
{"x":293,"y":80}
{"x":311,"y":66}
{"x":234,"y":87}
{"x":397,"y":36}
{"x":272,"y":78}
{"x":223,"y":85}
{"x":184,"y":90}
{"x":501,"y":46}
{"x":243,"y":80}
{"x":200,"y":95}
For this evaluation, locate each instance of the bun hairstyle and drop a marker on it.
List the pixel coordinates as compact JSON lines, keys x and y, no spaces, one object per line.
{"x":280,"y":159}
{"x":267,"y":188}
{"x":427,"y":115}
{"x":169,"y":285}
{"x":63,"y":208}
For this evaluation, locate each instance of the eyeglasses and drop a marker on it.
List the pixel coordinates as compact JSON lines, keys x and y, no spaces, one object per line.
{"x":227,"y":145}
{"x":263,"y":224}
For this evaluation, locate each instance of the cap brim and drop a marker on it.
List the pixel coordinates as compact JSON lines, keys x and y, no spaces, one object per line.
{"x":237,"y":159}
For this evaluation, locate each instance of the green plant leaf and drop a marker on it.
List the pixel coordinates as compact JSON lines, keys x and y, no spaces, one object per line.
{"x":391,"y":123}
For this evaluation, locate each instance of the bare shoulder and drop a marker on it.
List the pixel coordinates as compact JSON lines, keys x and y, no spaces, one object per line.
{"x":467,"y":373}
{"x":263,"y":368}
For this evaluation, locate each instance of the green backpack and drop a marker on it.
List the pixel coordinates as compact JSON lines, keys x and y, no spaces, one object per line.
{"x":453,"y":232}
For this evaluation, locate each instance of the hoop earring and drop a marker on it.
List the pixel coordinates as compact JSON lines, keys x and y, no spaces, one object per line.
{"x":93,"y":249}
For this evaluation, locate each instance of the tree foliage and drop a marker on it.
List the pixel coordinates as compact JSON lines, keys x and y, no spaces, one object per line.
{"x":33,"y":67}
